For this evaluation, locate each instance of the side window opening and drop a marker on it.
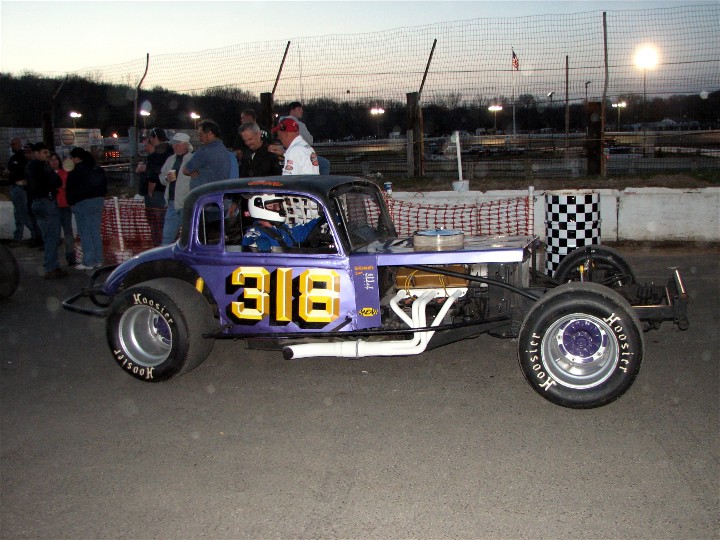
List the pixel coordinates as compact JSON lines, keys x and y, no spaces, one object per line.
{"x":209,"y":228}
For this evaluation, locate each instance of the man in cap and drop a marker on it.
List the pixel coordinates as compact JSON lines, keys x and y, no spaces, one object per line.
{"x":300,"y":158}
{"x":177,"y":185}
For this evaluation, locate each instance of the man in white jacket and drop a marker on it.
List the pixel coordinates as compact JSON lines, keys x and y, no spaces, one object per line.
{"x":177,"y":185}
{"x":300,"y":158}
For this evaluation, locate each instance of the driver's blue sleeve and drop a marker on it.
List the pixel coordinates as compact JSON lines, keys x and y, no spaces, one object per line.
{"x":301,"y":232}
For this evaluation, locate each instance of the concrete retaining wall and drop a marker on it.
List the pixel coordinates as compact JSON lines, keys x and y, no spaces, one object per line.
{"x":641,"y":214}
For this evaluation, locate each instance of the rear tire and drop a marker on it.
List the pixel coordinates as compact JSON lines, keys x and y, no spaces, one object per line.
{"x":9,"y":273}
{"x":600,"y":264}
{"x":581,"y":345}
{"x":155,"y":329}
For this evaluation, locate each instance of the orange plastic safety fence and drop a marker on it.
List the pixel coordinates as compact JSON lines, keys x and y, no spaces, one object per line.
{"x":513,"y":216}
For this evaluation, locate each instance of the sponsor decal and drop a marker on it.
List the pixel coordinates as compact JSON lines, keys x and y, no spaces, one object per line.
{"x":367,"y":312}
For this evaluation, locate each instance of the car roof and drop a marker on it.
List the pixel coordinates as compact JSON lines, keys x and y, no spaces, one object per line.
{"x":312,"y":184}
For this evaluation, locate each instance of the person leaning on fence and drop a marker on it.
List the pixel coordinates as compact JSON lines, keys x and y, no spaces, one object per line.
{"x":177,"y":185}
{"x":64,"y":209}
{"x":300,"y":158}
{"x":86,"y":190}
{"x":257,"y":160}
{"x":210,"y":162}
{"x":43,"y":184}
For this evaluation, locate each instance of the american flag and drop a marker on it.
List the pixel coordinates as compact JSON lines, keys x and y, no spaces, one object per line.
{"x":515,"y":61}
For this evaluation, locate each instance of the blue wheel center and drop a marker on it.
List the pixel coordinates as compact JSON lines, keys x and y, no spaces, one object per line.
{"x":162,"y":328}
{"x":582,"y":339}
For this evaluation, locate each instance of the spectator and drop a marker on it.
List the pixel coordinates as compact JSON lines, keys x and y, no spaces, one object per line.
{"x":257,"y":160}
{"x":64,"y":209}
{"x":210,"y":162}
{"x":269,"y":229}
{"x":177,"y":185}
{"x":43,"y":184}
{"x":300,"y":158}
{"x":18,"y":193}
{"x":141,"y":169}
{"x":296,"y":112}
{"x":247,"y":116}
{"x":86,"y":189}
{"x":155,"y":200}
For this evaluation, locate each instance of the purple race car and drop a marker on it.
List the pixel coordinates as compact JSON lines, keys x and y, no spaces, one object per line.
{"x":348,"y":286}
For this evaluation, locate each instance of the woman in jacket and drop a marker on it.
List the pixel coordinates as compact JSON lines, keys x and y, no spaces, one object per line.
{"x":85,"y":190}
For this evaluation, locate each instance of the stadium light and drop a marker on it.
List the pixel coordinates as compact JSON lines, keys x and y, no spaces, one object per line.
{"x":646,"y":58}
{"x":377,"y":112}
{"x":144,"y":115}
{"x":495,"y":109}
{"x":195,"y":116}
{"x":619,"y":107}
{"x":75,"y":115}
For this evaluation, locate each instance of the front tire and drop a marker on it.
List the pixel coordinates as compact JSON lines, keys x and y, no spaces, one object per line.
{"x":581,"y":346}
{"x":155,"y":329}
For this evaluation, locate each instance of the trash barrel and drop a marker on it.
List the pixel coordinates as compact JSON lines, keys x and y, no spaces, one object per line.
{"x":572,"y":221}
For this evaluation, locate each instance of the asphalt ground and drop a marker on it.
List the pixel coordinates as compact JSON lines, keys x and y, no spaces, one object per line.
{"x":449,"y":444}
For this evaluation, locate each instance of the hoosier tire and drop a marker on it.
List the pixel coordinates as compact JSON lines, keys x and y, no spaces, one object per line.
{"x":155,"y":329}
{"x":581,"y":346}
{"x":600,"y":264}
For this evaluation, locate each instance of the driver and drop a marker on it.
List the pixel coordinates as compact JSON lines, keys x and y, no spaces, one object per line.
{"x":269,"y":229}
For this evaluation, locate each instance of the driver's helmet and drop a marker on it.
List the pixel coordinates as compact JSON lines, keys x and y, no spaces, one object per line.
{"x":258,"y":208}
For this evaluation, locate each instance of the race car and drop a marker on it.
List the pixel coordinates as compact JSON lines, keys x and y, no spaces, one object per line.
{"x":353,"y":288}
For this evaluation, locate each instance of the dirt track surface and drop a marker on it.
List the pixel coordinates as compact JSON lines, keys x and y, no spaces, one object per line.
{"x":449,"y":444}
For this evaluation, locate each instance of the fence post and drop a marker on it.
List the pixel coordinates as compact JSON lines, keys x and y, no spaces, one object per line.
{"x":410,"y":158}
{"x":265,"y":118}
{"x":415,"y":123}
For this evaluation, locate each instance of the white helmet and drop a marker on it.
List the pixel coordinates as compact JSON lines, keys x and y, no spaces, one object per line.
{"x":258,"y":210}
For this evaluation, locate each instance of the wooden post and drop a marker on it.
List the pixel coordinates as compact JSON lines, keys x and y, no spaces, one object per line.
{"x":265,"y":117}
{"x":415,"y":124}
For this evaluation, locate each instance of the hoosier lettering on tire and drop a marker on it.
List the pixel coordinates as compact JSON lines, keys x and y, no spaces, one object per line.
{"x":155,"y":329}
{"x":581,"y":345}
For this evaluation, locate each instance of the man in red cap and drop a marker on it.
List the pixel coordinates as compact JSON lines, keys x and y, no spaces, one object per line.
{"x":300,"y":158}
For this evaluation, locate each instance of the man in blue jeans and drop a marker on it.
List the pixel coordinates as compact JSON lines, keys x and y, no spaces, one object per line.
{"x":18,"y":193}
{"x":43,"y":184}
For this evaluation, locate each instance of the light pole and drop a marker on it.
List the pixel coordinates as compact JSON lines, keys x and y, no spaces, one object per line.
{"x":377,"y":112}
{"x":144,"y":115}
{"x":646,"y":58}
{"x":619,"y":107}
{"x":195,"y":116}
{"x":552,"y":135}
{"x":495,"y":109}
{"x":586,"y":93}
{"x":75,"y":115}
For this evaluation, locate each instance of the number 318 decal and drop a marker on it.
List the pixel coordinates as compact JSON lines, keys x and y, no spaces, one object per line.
{"x":311,"y":300}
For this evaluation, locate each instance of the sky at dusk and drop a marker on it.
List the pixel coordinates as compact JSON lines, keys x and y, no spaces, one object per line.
{"x":66,"y":36}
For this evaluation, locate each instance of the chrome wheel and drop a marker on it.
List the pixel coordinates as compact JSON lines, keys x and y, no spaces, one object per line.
{"x":145,"y":336}
{"x":580,"y":351}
